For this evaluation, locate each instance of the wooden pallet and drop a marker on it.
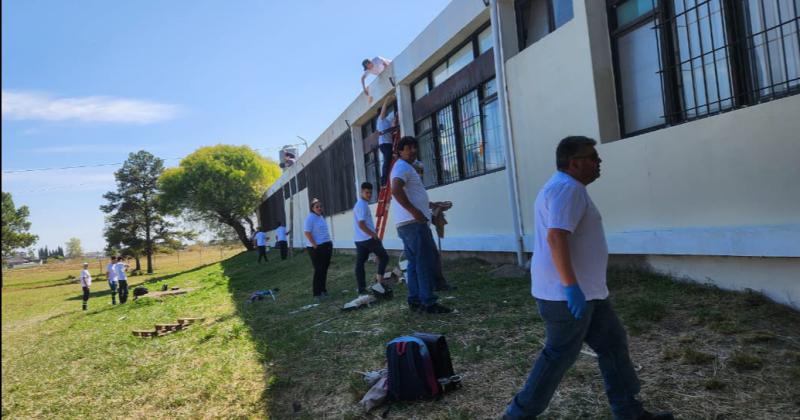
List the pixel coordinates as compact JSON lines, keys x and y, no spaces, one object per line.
{"x":164,"y":329}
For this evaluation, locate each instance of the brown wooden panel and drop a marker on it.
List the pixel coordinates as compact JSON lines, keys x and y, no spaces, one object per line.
{"x":466,"y":79}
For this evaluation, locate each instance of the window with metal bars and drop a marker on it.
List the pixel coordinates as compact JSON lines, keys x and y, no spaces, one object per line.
{"x":372,"y":167}
{"x":447,"y":145}
{"x":426,"y":152}
{"x":463,"y":139}
{"x":679,"y":60}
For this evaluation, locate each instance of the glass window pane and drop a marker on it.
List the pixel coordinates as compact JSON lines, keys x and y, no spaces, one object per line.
{"x":776,"y":52}
{"x":562,"y":12}
{"x":460,"y":59}
{"x":493,"y":140}
{"x":440,"y":74}
{"x":485,"y":41}
{"x":421,"y":88}
{"x":630,"y":10}
{"x":642,"y":103}
{"x":371,"y":168}
{"x":448,"y":152}
{"x":489,"y":87}
{"x":471,"y":134}
{"x":535,"y":21}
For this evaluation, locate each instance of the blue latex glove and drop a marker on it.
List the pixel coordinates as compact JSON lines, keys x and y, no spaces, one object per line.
{"x":576,"y":301}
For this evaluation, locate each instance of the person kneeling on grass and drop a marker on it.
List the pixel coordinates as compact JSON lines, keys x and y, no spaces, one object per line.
{"x":86,"y":282}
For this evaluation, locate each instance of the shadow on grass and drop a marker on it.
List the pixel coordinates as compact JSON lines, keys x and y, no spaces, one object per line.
{"x":311,"y":353}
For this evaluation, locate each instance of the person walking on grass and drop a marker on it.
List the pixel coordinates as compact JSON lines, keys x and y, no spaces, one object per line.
{"x":281,"y":240}
{"x":86,"y":282}
{"x":320,"y":247}
{"x":413,"y":217}
{"x":260,"y":241}
{"x":111,"y":275}
{"x":121,"y":267}
{"x":366,"y":239}
{"x":568,"y":280}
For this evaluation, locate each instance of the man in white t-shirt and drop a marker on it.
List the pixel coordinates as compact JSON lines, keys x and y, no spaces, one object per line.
{"x":111,"y":275}
{"x":568,"y":280}
{"x":260,"y":241}
{"x":281,"y":243}
{"x":86,"y":282}
{"x":412,"y":215}
{"x":376,"y":66}
{"x":122,"y":279}
{"x":366,"y":239}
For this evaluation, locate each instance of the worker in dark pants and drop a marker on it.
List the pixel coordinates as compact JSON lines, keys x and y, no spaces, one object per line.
{"x":111,"y":275}
{"x":122,"y":279}
{"x":281,"y":242}
{"x":320,"y":247}
{"x":366,"y":239}
{"x":86,"y":282}
{"x":260,"y":241}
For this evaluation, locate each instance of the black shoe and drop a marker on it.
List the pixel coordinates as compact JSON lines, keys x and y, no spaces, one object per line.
{"x":416,"y":307}
{"x":663,"y":415}
{"x":437,"y":309}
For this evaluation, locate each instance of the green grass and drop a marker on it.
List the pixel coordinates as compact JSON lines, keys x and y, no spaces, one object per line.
{"x":262,"y":359}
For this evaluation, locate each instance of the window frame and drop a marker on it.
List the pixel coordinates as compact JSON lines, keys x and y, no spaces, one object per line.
{"x":428,"y":74}
{"x":522,"y":30}
{"x":739,"y":64}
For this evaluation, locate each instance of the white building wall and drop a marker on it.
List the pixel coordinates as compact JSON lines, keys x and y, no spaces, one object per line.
{"x":700,"y":199}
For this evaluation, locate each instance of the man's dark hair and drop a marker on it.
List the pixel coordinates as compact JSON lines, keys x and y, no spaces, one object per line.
{"x":569,"y":147}
{"x":366,"y":186}
{"x":365,"y":63}
{"x":405,"y":141}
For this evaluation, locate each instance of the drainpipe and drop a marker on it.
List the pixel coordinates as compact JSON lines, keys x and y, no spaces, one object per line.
{"x":505,"y":123}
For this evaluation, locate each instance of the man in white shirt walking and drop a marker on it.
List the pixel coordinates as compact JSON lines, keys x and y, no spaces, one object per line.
{"x":366,"y":239}
{"x":568,"y":280}
{"x":111,"y":275}
{"x":122,"y":279}
{"x":412,"y":217}
{"x":260,"y":241}
{"x":86,"y":282}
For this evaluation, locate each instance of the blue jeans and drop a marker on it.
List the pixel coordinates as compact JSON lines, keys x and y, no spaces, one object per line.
{"x":601,"y":330}
{"x":421,"y":255}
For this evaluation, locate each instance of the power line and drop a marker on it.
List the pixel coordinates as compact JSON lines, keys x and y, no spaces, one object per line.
{"x":98,"y":165}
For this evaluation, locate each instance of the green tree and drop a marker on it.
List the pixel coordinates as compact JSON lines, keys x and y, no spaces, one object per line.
{"x":15,"y":226}
{"x":220,"y":184}
{"x":74,"y":249}
{"x":136,"y":224}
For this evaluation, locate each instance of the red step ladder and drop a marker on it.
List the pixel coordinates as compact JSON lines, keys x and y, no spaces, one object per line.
{"x":385,"y":194}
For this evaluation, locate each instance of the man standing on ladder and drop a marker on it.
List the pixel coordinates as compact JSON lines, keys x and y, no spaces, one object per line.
{"x":384,"y":125}
{"x":413,"y":216}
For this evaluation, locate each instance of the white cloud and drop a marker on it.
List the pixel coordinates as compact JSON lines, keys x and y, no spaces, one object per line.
{"x":26,"y":105}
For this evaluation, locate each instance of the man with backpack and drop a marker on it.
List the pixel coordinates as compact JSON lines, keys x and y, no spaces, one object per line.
{"x":568,"y":280}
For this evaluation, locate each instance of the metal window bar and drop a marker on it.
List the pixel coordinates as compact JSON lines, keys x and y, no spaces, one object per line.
{"x":761,"y":91}
{"x":448,"y":148}
{"x":471,"y":135}
{"x":702,"y":56}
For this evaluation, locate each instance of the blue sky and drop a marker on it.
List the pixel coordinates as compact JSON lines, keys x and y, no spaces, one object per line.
{"x":88,"y":82}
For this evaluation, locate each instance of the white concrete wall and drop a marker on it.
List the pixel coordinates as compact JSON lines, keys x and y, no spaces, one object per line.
{"x":777,"y":278}
{"x":724,"y":185}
